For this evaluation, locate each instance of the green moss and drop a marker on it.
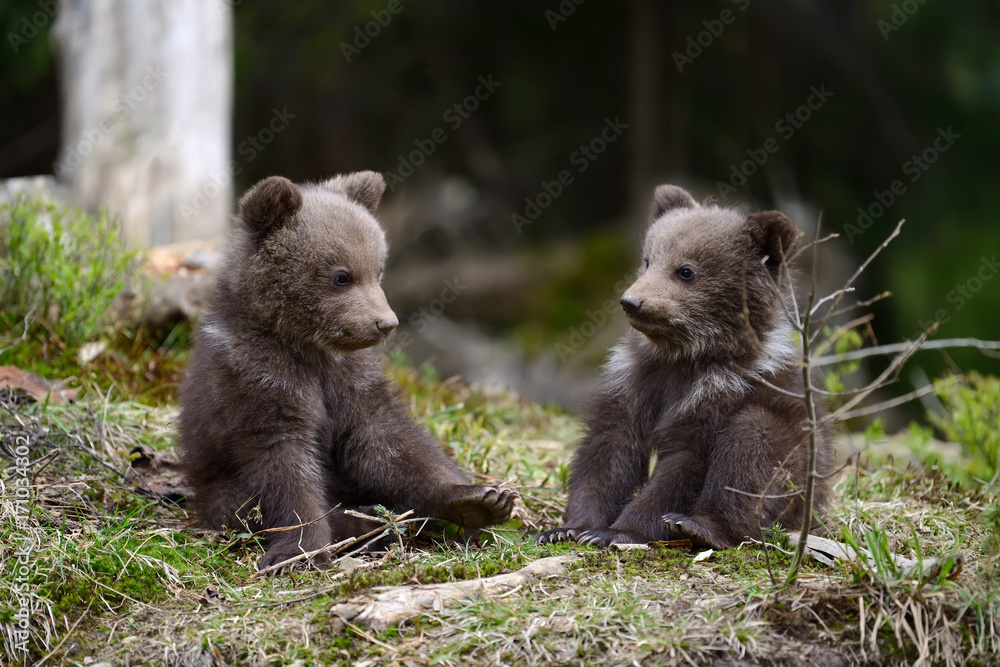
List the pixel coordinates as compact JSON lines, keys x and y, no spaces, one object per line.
{"x":748,"y":563}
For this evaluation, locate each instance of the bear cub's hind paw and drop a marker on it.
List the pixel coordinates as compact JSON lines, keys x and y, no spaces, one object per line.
{"x":479,"y":506}
{"x":685,"y":527}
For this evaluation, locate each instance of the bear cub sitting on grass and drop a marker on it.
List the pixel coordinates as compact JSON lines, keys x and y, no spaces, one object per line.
{"x":285,"y":407}
{"x":684,"y":382}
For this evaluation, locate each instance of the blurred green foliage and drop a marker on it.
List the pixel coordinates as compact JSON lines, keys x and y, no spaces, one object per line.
{"x":972,"y":419}
{"x":61,"y":269}
{"x":833,"y":378}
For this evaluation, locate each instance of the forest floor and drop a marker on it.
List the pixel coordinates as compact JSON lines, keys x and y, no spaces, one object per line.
{"x":98,"y":573}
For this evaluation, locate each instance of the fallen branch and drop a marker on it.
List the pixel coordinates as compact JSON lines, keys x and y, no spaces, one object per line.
{"x":399,"y":603}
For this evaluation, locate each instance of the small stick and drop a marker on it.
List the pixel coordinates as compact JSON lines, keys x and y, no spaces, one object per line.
{"x":283,"y":529}
{"x":863,"y":304}
{"x":24,"y":334}
{"x":807,"y":246}
{"x":334,"y":548}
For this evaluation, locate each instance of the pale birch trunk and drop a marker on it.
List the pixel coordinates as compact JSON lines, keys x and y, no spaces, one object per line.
{"x":147,"y":102}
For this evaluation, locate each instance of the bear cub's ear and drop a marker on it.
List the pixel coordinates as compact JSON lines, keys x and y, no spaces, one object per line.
{"x":363,"y":187}
{"x":774,"y":235}
{"x":269,"y":205}
{"x":669,"y":197}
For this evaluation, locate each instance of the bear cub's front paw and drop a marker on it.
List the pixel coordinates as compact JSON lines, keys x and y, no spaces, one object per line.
{"x":478,"y":506}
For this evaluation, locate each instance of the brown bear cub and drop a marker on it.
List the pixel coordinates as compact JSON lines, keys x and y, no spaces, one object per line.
{"x":285,"y":408}
{"x":682,"y":383}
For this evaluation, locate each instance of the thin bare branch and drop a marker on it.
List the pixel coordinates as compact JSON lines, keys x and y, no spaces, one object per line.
{"x":833,"y":473}
{"x":894,"y":367}
{"x":854,"y":276}
{"x":894,"y":348}
{"x":331,"y":548}
{"x":764,"y":543}
{"x":839,"y":294}
{"x":807,"y":246}
{"x":863,"y":304}
{"x":856,"y":390}
{"x":811,"y":421}
{"x":282,"y":529}
{"x":24,"y":334}
{"x":886,"y":405}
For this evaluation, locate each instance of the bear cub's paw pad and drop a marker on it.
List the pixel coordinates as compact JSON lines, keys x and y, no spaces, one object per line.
{"x":685,"y":527}
{"x":605,"y":538}
{"x":478,"y":506}
{"x":556,"y":535}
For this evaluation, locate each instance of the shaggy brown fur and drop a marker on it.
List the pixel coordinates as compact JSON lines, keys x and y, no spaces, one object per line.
{"x":680,"y":384}
{"x":284,"y":407}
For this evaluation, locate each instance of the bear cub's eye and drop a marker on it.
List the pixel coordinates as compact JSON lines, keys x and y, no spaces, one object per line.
{"x":342,"y":279}
{"x":646,"y":260}
{"x":686,"y":273}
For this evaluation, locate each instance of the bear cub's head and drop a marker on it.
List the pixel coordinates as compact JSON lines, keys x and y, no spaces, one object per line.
{"x":700,"y":265}
{"x":307,"y":260}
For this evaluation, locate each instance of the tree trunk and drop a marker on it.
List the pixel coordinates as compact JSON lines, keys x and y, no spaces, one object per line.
{"x":147,"y":100}
{"x":644,"y":74}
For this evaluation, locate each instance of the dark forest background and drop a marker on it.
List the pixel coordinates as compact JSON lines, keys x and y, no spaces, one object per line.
{"x":703,"y":89}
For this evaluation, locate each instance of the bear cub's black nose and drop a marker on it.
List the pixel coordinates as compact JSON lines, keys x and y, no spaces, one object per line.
{"x":387,"y":325}
{"x":631,"y":304}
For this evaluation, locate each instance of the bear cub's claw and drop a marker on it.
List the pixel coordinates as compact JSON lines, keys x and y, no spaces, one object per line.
{"x":556,"y":535}
{"x":479,"y":506}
